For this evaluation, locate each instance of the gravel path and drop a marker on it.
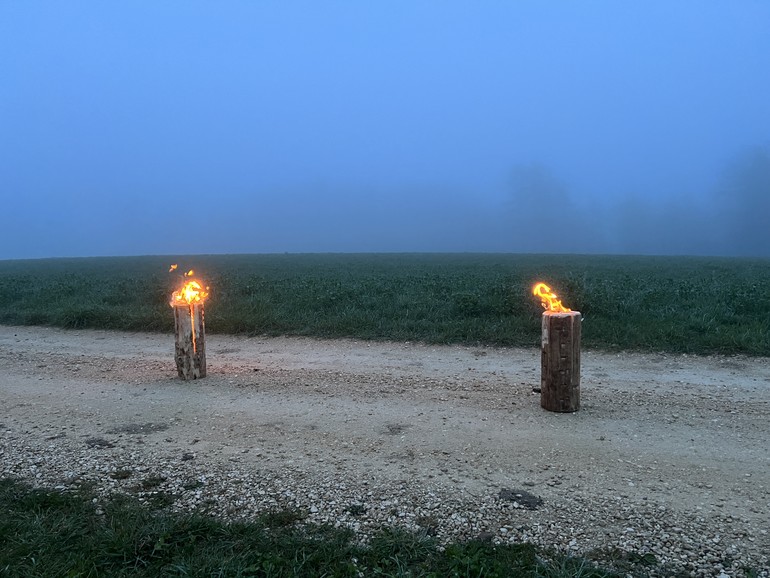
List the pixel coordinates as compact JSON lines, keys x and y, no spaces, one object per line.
{"x":669,"y":455}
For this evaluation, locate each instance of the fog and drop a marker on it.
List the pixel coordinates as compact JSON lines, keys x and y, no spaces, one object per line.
{"x":183,"y":127}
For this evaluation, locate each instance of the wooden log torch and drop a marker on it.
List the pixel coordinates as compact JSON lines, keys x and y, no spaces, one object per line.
{"x":190,"y":334}
{"x":560,"y":358}
{"x":189,"y":328}
{"x":560,"y":361}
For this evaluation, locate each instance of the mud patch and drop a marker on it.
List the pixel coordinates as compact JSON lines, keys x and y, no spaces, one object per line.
{"x":521,"y":499}
{"x":99,"y":443}
{"x":394,"y":429}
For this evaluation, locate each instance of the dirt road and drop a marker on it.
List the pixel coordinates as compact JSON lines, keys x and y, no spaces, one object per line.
{"x":668,"y":455}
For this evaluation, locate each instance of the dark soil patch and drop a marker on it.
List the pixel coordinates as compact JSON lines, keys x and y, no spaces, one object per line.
{"x":522,"y":498}
{"x":100,"y":443}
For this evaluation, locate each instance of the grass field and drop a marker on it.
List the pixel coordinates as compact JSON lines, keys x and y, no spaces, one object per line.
{"x":674,"y":304}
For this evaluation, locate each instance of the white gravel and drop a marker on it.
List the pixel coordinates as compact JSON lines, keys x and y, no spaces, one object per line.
{"x":669,"y":455}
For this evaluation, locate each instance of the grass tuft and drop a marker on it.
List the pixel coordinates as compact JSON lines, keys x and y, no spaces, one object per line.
{"x":51,"y":533}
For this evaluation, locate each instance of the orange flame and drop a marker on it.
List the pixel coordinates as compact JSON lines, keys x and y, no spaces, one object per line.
{"x":549,"y":299}
{"x":191,"y":293}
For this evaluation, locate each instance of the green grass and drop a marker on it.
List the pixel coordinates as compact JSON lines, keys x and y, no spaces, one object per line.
{"x":674,"y":304}
{"x":51,"y":533}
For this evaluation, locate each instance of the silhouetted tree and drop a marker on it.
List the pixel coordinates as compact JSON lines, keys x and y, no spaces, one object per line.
{"x":744,"y":198}
{"x":540,"y":211}
{"x":676,"y":226}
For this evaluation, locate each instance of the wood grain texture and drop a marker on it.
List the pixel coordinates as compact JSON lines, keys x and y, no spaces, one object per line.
{"x":560,"y":362}
{"x":190,"y":342}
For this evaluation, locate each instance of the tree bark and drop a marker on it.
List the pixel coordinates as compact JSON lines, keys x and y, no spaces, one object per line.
{"x":560,"y":362}
{"x":190,"y":341}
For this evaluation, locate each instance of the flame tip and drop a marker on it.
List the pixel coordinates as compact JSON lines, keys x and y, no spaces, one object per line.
{"x":548,"y":299}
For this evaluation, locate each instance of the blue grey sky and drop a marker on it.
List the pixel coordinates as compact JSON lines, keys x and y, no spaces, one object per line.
{"x":188,"y":127}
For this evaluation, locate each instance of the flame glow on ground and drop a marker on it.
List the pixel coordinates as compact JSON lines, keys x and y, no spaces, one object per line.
{"x":549,"y":299}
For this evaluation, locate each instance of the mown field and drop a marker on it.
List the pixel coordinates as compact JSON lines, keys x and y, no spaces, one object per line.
{"x":674,"y":304}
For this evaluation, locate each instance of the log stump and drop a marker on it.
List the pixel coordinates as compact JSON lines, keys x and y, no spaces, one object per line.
{"x":560,"y":362}
{"x":190,"y":341}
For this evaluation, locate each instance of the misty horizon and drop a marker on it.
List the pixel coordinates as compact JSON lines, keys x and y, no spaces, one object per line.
{"x":184,"y":128}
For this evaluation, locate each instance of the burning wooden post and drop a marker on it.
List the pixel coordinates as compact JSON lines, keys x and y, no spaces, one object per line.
{"x":560,"y":358}
{"x":190,"y":332}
